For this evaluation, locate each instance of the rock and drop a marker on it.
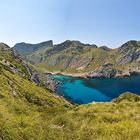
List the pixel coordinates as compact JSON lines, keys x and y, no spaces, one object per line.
{"x":129,"y":51}
{"x":13,"y":68}
{"x":126,"y":58}
{"x":4,"y":47}
{"x":51,"y":83}
{"x":128,"y":46}
{"x":35,"y":78}
{"x":106,"y":70}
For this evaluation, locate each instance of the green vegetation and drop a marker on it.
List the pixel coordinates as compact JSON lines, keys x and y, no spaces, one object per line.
{"x":22,"y":104}
{"x":31,"y":112}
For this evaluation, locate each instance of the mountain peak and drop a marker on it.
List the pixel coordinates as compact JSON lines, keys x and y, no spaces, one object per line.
{"x":76,"y":43}
{"x":46,"y":43}
{"x":132,"y":44}
{"x":4,"y":46}
{"x":25,"y":48}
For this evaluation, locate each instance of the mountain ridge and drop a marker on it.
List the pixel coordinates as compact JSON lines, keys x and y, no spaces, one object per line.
{"x":87,"y":60}
{"x":32,"y":47}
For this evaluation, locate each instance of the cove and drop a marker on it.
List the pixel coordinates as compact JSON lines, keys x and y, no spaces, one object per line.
{"x":83,"y":91}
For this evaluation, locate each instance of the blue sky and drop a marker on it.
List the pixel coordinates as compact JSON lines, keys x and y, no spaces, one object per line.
{"x":101,"y":22}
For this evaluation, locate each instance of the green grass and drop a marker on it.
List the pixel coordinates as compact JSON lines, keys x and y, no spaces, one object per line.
{"x":31,"y":112}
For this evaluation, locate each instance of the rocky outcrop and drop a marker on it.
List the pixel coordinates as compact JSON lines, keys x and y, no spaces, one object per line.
{"x":106,"y":70}
{"x":13,"y":68}
{"x":129,"y":51}
{"x":35,"y":77}
{"x":50,"y":82}
{"x":4,"y":47}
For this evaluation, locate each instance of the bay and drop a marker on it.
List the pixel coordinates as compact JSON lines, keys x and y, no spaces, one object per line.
{"x":83,"y":91}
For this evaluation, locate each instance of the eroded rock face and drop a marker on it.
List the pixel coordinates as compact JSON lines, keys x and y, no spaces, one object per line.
{"x":129,"y":52}
{"x":4,"y":47}
{"x":80,"y":61}
{"x":128,"y":46}
{"x":106,"y":70}
{"x":127,"y":57}
{"x":13,"y":68}
{"x":51,"y":83}
{"x":35,"y":77}
{"x":137,"y":54}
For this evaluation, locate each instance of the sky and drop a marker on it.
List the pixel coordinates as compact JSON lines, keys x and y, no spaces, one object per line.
{"x":101,"y":22}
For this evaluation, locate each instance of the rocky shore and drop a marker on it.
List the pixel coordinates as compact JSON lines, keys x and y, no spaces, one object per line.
{"x":50,"y":82}
{"x":108,"y":71}
{"x":105,"y":71}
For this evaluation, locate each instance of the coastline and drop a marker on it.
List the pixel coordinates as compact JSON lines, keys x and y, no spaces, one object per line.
{"x":86,"y":75}
{"x":76,"y":75}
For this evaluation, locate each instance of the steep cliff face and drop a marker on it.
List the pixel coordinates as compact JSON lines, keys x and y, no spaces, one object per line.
{"x":129,"y":52}
{"x":76,"y":57}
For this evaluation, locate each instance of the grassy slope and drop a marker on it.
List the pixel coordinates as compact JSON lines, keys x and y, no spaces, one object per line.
{"x":30,"y":112}
{"x":21,"y":106}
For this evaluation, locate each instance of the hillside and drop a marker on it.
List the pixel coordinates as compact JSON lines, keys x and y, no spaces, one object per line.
{"x":16,"y":80}
{"x":74,"y":57}
{"x":29,"y":111}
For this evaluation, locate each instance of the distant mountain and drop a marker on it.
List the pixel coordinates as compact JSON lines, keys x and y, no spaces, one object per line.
{"x":26,"y":48}
{"x":85,"y":59}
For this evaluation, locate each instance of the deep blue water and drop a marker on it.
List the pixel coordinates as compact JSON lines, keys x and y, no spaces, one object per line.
{"x":84,"y":91}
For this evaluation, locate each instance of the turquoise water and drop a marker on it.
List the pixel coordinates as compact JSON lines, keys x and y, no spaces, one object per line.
{"x":84,"y":91}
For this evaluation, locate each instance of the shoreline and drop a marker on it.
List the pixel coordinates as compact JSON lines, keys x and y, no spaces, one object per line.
{"x":85,"y":75}
{"x":76,"y":75}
